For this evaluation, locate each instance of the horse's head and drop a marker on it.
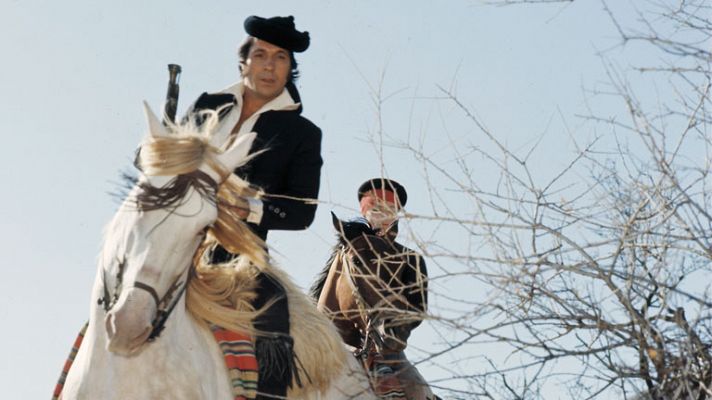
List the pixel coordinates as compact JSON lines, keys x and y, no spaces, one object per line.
{"x":372,"y":267}
{"x":151,"y":241}
{"x":369,"y":254}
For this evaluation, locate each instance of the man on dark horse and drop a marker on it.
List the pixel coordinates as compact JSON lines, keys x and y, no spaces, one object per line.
{"x":380,"y":201}
{"x":265,"y":100}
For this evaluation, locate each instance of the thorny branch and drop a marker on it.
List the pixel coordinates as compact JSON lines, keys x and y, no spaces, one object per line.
{"x":598,"y":276}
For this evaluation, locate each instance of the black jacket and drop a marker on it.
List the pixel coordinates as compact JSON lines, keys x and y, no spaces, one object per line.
{"x":415,"y":278}
{"x":288,"y":171}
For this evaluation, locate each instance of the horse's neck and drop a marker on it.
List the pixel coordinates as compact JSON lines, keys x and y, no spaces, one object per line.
{"x":327,"y":297}
{"x":336,"y":299}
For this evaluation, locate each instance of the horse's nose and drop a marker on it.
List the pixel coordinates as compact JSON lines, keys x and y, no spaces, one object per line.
{"x":124,"y":340}
{"x":110,"y":325}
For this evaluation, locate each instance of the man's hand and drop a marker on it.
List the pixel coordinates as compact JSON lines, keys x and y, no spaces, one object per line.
{"x":242,"y":207}
{"x":238,"y":205}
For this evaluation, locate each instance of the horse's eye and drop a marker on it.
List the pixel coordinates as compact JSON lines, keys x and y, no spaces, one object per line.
{"x":357,"y":261}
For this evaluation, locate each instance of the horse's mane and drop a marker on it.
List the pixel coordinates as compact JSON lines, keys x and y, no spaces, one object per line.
{"x":222,"y":294}
{"x":318,"y":285}
{"x":181,"y":154}
{"x":214,"y":294}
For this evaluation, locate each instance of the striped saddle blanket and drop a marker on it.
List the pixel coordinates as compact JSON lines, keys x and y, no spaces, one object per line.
{"x":386,"y":384}
{"x":238,"y":351}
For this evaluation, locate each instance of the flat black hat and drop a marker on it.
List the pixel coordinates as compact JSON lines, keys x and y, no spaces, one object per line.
{"x":385,"y":184}
{"x":279,"y":31}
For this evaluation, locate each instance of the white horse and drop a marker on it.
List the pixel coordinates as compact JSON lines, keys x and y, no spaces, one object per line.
{"x":144,"y":268}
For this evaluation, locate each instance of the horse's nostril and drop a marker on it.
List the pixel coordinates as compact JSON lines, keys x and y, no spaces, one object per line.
{"x":109,"y":325}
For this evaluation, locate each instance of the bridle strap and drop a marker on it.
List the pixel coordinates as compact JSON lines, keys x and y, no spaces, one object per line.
{"x":162,"y":314}
{"x":150,"y":290}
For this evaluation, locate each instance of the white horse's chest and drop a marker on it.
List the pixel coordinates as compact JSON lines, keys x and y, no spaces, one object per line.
{"x":184,"y":363}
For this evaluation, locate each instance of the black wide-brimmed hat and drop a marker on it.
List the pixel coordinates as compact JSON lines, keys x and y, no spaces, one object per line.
{"x":279,"y":31}
{"x":384,"y":184}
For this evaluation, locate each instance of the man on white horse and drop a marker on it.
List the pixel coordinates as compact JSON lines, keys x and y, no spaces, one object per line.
{"x":267,"y":102}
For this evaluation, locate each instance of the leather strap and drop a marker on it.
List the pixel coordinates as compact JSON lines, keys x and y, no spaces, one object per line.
{"x":150,"y":290}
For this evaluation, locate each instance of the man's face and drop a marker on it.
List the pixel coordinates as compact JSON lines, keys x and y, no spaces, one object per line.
{"x":379,"y":213}
{"x":266,"y":70}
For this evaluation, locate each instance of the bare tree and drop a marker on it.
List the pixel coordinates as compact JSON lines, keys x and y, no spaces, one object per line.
{"x":598,"y":276}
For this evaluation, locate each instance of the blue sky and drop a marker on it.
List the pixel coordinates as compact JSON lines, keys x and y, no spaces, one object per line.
{"x":74,"y":74}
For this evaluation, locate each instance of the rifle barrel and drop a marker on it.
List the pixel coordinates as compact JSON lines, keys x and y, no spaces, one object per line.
{"x":171,"y":106}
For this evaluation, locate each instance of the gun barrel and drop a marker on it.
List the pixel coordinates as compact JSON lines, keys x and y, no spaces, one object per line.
{"x":171,"y":106}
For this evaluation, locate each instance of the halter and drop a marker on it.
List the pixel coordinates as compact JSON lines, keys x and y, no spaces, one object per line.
{"x":166,"y":303}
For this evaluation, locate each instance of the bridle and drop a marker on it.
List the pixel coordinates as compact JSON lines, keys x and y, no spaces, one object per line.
{"x":166,"y":303}
{"x":371,"y":315}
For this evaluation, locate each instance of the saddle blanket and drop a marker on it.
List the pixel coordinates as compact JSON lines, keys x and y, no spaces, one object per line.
{"x":238,"y":351}
{"x":68,"y":363}
{"x":387,"y":385}
{"x":241,"y":362}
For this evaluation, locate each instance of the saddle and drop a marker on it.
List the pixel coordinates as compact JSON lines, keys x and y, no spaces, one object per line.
{"x":287,"y":327}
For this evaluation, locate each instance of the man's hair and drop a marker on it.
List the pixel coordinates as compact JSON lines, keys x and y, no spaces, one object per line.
{"x":244,"y":51}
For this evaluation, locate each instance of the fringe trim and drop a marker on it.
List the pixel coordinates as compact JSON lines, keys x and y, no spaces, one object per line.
{"x":276,"y":360}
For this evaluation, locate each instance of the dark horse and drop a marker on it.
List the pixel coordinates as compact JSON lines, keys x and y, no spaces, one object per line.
{"x":375,"y":292}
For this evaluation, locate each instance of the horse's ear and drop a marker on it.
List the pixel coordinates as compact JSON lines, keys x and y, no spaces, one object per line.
{"x":339,"y":227}
{"x":236,"y":155}
{"x":350,"y":230}
{"x":155,"y":127}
